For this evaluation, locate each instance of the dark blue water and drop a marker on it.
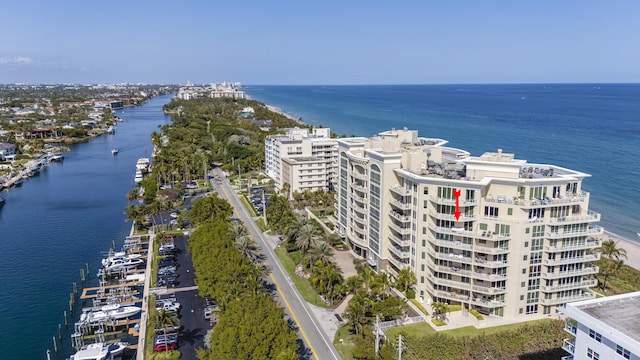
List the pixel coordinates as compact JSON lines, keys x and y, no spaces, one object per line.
{"x":59,"y":221}
{"x":585,"y":127}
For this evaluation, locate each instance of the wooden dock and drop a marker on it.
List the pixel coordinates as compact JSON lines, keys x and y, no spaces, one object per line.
{"x":94,"y":292}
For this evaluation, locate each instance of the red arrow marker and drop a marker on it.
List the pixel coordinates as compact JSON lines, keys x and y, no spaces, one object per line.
{"x":456,"y":193}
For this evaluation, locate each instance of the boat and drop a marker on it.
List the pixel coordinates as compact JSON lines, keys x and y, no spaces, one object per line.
{"x":114,"y":151}
{"x":57,"y":157}
{"x":111,"y":130}
{"x":143,"y":165}
{"x":119,"y":255}
{"x":2,"y":201}
{"x":119,"y":264}
{"x":138,"y":177}
{"x":109,"y":312}
{"x":99,"y":351}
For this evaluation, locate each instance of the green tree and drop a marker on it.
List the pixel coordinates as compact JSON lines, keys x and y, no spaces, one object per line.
{"x":405,"y":280}
{"x":164,"y":320}
{"x":307,"y":236}
{"x":612,"y":251}
{"x":320,"y":251}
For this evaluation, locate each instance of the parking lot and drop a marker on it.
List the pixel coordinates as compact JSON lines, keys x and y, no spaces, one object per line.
{"x":191,"y":314}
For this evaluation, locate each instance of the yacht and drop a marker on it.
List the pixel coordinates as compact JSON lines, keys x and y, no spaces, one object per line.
{"x":125,"y":263}
{"x":99,"y":351}
{"x":114,"y":151}
{"x":143,"y":165}
{"x":138,"y":177}
{"x":57,"y":157}
{"x":119,"y":255}
{"x":109,"y":312}
{"x":111,"y":130}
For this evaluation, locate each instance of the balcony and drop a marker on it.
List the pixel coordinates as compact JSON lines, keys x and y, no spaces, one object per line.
{"x":572,"y":260}
{"x":591,"y":216}
{"x":359,"y":176}
{"x":568,"y":286}
{"x":489,"y":289}
{"x":451,"y":270}
{"x":360,"y":188}
{"x":360,"y":220}
{"x":486,"y":303}
{"x":452,"y":244}
{"x":398,"y":240}
{"x":360,"y":199}
{"x":569,"y":345}
{"x":451,"y":230}
{"x":400,"y":190}
{"x":450,"y":257}
{"x":566,"y":299}
{"x":399,"y":229}
{"x":402,"y":253}
{"x":589,"y":270}
{"x":359,"y":209}
{"x":491,"y":263}
{"x":400,"y":205}
{"x":588,"y":244}
{"x":570,"y":328}
{"x":398,"y":264}
{"x":442,"y":201}
{"x":569,"y":199}
{"x":489,"y":277}
{"x":451,"y":283}
{"x":491,"y":250}
{"x":595,"y":230}
{"x":399,"y":216}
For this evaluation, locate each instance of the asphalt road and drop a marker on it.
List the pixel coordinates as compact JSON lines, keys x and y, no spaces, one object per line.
{"x":318,"y":346}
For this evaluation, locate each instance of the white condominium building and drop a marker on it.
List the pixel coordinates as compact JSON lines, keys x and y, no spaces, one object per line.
{"x":493,"y":233}
{"x":603,"y":328}
{"x":304,"y":161}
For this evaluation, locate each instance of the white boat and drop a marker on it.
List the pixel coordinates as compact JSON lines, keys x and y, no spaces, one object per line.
{"x":143,"y":165}
{"x":99,"y":351}
{"x":138,"y":177}
{"x":111,"y":130}
{"x":57,"y":157}
{"x":114,"y":151}
{"x":119,"y":255}
{"x":109,"y":312}
{"x":125,"y":263}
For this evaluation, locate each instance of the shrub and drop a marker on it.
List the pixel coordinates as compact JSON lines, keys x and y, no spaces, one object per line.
{"x":453,"y":308}
{"x":411,"y":294}
{"x":438,"y":322}
{"x":475,"y":313}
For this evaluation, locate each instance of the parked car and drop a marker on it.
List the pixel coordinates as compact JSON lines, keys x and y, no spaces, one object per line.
{"x":167,"y":281}
{"x":169,"y":307}
{"x":171,"y":328}
{"x":167,"y":271}
{"x":167,"y":250}
{"x":165,"y":347}
{"x":169,"y":338}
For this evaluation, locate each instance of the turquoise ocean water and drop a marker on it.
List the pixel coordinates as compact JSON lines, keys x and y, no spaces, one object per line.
{"x":593,"y":128}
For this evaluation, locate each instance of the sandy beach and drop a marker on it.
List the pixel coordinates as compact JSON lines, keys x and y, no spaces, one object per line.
{"x":633,"y":249}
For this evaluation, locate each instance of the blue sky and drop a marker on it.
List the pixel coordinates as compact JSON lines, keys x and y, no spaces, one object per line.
{"x":320,"y":42}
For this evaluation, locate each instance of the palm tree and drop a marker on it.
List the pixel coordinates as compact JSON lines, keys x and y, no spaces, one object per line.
{"x":610,"y":250}
{"x":293,"y":230}
{"x":381,"y":284}
{"x":165,"y":319}
{"x":405,"y":280}
{"x":307,"y":236}
{"x":237,"y":230}
{"x":356,"y":311}
{"x":246,"y":246}
{"x":440,"y":310}
{"x":320,"y":251}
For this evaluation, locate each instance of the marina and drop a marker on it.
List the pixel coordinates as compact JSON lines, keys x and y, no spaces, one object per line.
{"x":78,"y":206}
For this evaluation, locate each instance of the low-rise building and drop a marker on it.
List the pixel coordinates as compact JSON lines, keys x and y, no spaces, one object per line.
{"x":603,"y":328}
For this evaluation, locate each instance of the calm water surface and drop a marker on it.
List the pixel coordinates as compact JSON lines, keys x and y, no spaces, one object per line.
{"x":59,"y":221}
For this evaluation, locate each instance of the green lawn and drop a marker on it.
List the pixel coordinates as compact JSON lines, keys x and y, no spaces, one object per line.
{"x":303,"y":285}
{"x":423,"y":329}
{"x":343,"y":348}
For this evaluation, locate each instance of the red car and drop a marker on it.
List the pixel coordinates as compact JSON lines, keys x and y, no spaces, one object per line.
{"x":162,"y":347}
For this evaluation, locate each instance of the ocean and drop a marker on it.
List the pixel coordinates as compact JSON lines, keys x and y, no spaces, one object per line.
{"x":61,"y":221}
{"x":592,"y":128}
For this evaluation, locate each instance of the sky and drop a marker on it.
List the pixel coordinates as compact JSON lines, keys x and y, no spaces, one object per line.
{"x":283,"y":42}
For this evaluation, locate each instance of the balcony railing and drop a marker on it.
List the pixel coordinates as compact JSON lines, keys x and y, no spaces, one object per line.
{"x":360,"y":188}
{"x":399,"y":216}
{"x":491,"y":263}
{"x":451,"y":257}
{"x":398,"y":264}
{"x":399,"y":240}
{"x":400,"y":205}
{"x":402,"y":253}
{"x":456,"y":270}
{"x":400,"y":229}
{"x":489,"y":289}
{"x":568,"y":286}
{"x":442,"y":201}
{"x":359,"y":198}
{"x":572,"y":260}
{"x":569,"y":345}
{"x":578,"y":272}
{"x":491,"y":250}
{"x":451,"y":244}
{"x":489,"y":277}
{"x":359,"y":176}
{"x":595,"y":230}
{"x":570,"y":328}
{"x":588,"y":244}
{"x":561,"y":300}
{"x":591,"y":216}
{"x":400,"y":190}
{"x":360,"y":209}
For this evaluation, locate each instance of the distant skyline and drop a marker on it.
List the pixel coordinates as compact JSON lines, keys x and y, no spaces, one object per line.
{"x":329,"y":42}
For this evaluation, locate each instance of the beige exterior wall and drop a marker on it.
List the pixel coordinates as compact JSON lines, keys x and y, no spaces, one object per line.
{"x":521,"y":247}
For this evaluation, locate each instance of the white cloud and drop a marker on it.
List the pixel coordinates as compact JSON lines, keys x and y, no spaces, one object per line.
{"x":16,"y":60}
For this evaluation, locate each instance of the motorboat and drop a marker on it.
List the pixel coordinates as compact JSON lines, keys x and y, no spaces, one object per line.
{"x":111,"y":130}
{"x":57,"y":157}
{"x":114,"y":151}
{"x":122,"y":263}
{"x":138,"y":177}
{"x":143,"y":165}
{"x":119,"y":255}
{"x":109,"y":312}
{"x":99,"y":351}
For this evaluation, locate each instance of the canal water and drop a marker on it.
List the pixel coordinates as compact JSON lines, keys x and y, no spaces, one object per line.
{"x":61,"y":221}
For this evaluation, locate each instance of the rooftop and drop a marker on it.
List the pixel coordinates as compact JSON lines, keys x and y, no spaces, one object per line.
{"x":617,"y":312}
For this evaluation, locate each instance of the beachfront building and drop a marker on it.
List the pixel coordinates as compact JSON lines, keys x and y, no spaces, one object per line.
{"x":494,"y":233}
{"x":603,"y":328}
{"x":305,"y":161}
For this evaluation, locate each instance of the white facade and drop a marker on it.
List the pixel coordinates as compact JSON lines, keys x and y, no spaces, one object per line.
{"x":520,"y":246}
{"x":310,"y":152}
{"x":604,"y":328}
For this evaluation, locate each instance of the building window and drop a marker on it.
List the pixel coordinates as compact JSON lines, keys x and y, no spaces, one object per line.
{"x":526,"y":244}
{"x":491,"y":211}
{"x":623,"y":352}
{"x":422,"y":279}
{"x":424,"y":217}
{"x":592,"y":354}
{"x":425,"y":190}
{"x":423,"y":255}
{"x":595,"y":335}
{"x":509,"y":211}
{"x":424,"y":204}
